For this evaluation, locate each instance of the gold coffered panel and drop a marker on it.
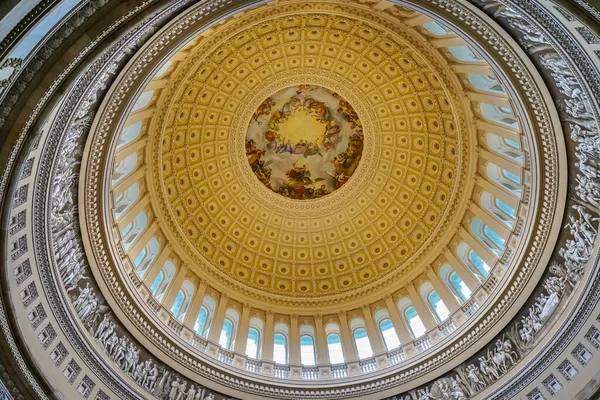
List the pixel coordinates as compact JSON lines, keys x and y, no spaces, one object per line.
{"x":388,"y":218}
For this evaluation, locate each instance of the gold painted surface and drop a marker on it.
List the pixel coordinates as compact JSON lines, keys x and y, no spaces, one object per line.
{"x":375,"y":227}
{"x":304,"y":142}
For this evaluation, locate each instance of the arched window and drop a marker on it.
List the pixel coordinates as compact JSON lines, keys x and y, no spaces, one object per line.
{"x":501,"y":115}
{"x":126,"y":199}
{"x":183,"y":299}
{"x":436,"y":29}
{"x":129,"y":134}
{"x":229,"y":329}
{"x":204,"y":319}
{"x":455,"y":283}
{"x":178,"y":303}
{"x":133,"y":229}
{"x":334,"y":343}
{"x":143,"y":100}
{"x":162,"y":280}
{"x":307,"y":350}
{"x":487,"y":236}
{"x":485,"y":83}
{"x":280,"y":349}
{"x":146,"y":256}
{"x":498,"y":208}
{"x":226,"y":334}
{"x":504,"y":147}
{"x":479,"y":264}
{"x":334,"y":348}
{"x":503,"y":178}
{"x":388,"y":332}
{"x":459,"y":288}
{"x":437,"y":305}
{"x":125,"y":167}
{"x":464,"y":53}
{"x":157,"y":281}
{"x":361,"y":339}
{"x":163,"y":69}
{"x":414,"y":322}
{"x":201,"y":320}
{"x":253,"y":343}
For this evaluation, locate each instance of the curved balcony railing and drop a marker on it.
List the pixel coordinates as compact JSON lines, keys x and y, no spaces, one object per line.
{"x":370,"y":365}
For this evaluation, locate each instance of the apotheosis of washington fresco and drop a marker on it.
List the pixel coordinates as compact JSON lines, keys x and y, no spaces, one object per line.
{"x":304,"y":142}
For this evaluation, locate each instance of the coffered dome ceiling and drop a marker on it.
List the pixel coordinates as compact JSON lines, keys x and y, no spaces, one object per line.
{"x":303,"y":200}
{"x":389,"y":216}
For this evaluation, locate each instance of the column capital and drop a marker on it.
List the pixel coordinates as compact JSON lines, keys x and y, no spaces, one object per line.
{"x":319,"y":317}
{"x":294,"y":317}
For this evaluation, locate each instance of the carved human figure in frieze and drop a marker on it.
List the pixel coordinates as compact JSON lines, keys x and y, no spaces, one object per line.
{"x":102,"y":327}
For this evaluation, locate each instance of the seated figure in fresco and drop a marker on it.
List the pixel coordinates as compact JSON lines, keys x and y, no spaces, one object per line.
{"x":346,"y":163}
{"x":312,"y":149}
{"x":318,"y":109}
{"x":253,"y":154}
{"x":332,"y":136}
{"x":263,"y":109}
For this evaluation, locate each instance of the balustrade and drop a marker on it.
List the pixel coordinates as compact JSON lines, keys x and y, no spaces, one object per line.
{"x":225,"y":356}
{"x":368,"y":365}
{"x":396,"y":356}
{"x":310,"y":373}
{"x":422,"y":344}
{"x":339,"y":371}
{"x":470,"y":307}
{"x":447,"y":327}
{"x":281,"y":371}
{"x":254,"y":366}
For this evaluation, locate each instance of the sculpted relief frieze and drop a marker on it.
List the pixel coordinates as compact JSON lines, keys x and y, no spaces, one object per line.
{"x":152,"y":377}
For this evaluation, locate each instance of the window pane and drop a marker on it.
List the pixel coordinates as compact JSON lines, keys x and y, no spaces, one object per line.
{"x":459,"y":286}
{"x":307,"y":350}
{"x":414,"y":321}
{"x":225,"y":338}
{"x":157,"y":282}
{"x":498,"y":241}
{"x":362,"y":343}
{"x":201,"y":321}
{"x":438,"y":306}
{"x":389,"y":334}
{"x":481,"y":266}
{"x":253,"y":343}
{"x":140,"y":257}
{"x":280,"y":348}
{"x":334,"y":345}
{"x":178,"y":302}
{"x":505,"y":207}
{"x":511,"y":176}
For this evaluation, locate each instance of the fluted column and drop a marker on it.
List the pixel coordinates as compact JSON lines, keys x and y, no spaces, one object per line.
{"x":142,"y":240}
{"x":505,"y":132}
{"x":347,"y":341}
{"x":372,"y":331}
{"x":321,"y":339}
{"x":502,"y":162}
{"x":397,"y":320}
{"x":482,"y":251}
{"x":129,"y":180}
{"x":267,"y":346}
{"x":192,"y":313}
{"x":510,"y":198}
{"x":138,"y":116}
{"x":128,"y":216}
{"x":467,"y":276}
{"x":294,"y":348}
{"x":217,"y":324}
{"x":242,"y":333}
{"x":130,"y":148}
{"x":423,"y":311}
{"x":440,"y":287}
{"x":491,"y":221}
{"x":174,"y":287}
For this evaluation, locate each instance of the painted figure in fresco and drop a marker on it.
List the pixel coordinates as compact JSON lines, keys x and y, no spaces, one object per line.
{"x":330,"y":121}
{"x":346,"y":163}
{"x":253,"y":154}
{"x":263,"y":109}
